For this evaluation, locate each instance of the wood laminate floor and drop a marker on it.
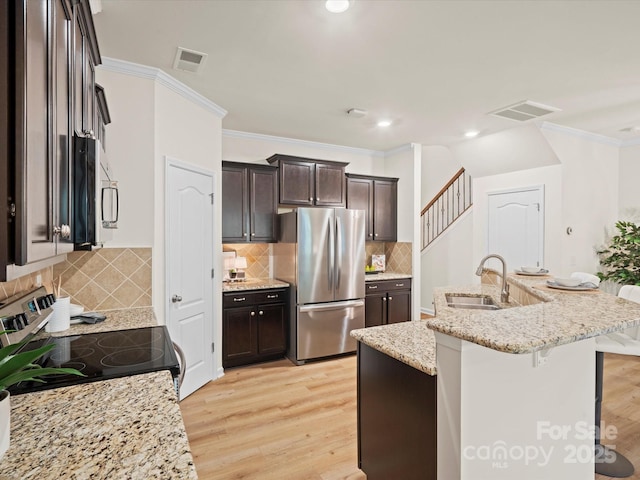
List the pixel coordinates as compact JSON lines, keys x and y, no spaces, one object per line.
{"x":277,"y":421}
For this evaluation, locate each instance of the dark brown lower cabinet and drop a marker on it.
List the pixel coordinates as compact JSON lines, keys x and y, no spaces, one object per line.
{"x":254,"y":326}
{"x":396,"y":418}
{"x":387,"y":301}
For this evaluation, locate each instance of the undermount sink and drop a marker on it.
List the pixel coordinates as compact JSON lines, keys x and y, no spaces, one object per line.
{"x":472,"y":302}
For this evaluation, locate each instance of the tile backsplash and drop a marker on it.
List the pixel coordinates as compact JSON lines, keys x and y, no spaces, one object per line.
{"x":257,"y":255}
{"x":107,"y":278}
{"x":398,"y":256}
{"x":26,"y":283}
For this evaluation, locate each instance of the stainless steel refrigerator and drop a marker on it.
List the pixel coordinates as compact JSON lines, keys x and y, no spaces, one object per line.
{"x":320,"y":252}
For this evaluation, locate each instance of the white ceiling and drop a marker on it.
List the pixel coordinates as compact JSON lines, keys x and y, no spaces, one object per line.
{"x":436,"y":68}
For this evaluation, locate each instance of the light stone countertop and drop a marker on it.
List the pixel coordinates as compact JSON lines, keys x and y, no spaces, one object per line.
{"x":557,"y":317}
{"x":128,"y":427}
{"x":120,"y":319}
{"x":560,"y":317}
{"x":253,"y":284}
{"x":385,"y":276}
{"x":412,"y":343}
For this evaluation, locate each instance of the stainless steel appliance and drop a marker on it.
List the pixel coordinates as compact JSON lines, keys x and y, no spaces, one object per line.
{"x":95,"y":195}
{"x":100,"y":355}
{"x":320,"y":252}
{"x":104,"y":355}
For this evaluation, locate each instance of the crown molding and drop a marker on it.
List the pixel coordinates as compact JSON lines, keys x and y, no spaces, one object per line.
{"x":632,"y":142}
{"x":162,"y":78}
{"x":302,"y":143}
{"x":593,"y":137}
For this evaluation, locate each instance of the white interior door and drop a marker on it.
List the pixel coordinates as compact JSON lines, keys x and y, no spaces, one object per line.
{"x":516,"y":226}
{"x":189,"y":283}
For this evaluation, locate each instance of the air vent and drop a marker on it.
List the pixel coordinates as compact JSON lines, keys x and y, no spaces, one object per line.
{"x":524,"y":111}
{"x":189,"y":60}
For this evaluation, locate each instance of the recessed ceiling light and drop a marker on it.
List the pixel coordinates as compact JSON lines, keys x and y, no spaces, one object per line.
{"x":384,"y":123}
{"x":337,"y":6}
{"x":471,"y":133}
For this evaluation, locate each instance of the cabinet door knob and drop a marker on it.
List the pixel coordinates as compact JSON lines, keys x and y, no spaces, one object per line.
{"x":244,"y":234}
{"x":376,"y":234}
{"x":371,"y":234}
{"x":260,"y":312}
{"x":384,"y":299}
{"x":390,"y":298}
{"x":176,"y":299}
{"x":253,"y":234}
{"x":64,"y":231}
{"x":253,"y":314}
{"x":311,"y":199}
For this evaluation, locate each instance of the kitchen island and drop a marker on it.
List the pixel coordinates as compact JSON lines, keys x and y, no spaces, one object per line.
{"x":129,"y":427}
{"x":515,"y":387}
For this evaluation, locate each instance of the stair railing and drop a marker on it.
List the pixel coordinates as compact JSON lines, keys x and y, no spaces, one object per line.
{"x":451,"y":202}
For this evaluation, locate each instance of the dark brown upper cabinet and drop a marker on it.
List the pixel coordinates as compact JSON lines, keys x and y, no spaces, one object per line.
{"x":249,"y":202}
{"x":41,"y":71}
{"x":378,"y":197}
{"x":310,"y":182}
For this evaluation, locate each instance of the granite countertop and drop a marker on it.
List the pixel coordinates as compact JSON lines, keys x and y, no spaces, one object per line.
{"x":385,"y":276}
{"x":253,"y":284}
{"x":129,"y":427}
{"x":120,"y":428}
{"x":412,"y":343}
{"x":554,"y":317}
{"x":120,"y":319}
{"x":559,"y":317}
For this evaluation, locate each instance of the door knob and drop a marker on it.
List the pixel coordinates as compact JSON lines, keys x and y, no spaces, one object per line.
{"x":176,"y":299}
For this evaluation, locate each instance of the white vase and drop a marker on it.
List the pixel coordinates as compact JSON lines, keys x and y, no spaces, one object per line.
{"x":5,"y":412}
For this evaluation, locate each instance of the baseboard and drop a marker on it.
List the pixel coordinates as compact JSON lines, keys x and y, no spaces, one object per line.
{"x":428,"y":311}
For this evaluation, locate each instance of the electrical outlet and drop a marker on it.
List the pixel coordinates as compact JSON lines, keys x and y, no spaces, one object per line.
{"x":38,"y":280}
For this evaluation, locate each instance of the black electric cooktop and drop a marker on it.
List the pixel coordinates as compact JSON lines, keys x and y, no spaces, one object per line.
{"x":103,"y":355}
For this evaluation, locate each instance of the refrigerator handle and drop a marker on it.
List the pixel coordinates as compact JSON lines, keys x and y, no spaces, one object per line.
{"x":331,"y":255}
{"x":339,"y":247}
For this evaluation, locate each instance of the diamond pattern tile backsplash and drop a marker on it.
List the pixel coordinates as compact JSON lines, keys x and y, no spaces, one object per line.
{"x":257,"y":255}
{"x":26,"y":283}
{"x":107,"y":278}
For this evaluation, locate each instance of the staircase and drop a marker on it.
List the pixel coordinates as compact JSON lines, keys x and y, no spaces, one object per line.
{"x":451,"y":202}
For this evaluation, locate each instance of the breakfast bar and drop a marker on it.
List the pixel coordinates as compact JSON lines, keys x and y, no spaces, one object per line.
{"x":515,"y":384}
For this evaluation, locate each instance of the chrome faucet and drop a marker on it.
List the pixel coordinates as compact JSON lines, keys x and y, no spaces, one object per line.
{"x":504,"y":294}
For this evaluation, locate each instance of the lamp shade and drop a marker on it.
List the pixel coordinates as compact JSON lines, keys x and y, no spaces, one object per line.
{"x":241,"y":263}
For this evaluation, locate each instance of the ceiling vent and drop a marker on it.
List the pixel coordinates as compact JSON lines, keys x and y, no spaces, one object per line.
{"x":524,"y":111}
{"x":189,"y":60}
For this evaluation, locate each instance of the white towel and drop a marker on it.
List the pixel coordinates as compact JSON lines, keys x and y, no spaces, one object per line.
{"x":586,"y":278}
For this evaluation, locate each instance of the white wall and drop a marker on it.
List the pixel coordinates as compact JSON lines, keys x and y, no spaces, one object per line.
{"x":629,"y":193}
{"x":590,"y":187}
{"x":130,"y":152}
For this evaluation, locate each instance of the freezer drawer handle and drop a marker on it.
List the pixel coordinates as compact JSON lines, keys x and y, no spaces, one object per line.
{"x":332,"y":306}
{"x":240,"y":299}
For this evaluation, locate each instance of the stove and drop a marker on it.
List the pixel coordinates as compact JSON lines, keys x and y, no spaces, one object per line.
{"x":103,"y":355}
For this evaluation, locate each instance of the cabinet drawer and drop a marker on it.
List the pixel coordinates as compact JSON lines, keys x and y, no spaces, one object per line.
{"x":386,"y":285}
{"x":260,"y":297}
{"x":271,"y":296}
